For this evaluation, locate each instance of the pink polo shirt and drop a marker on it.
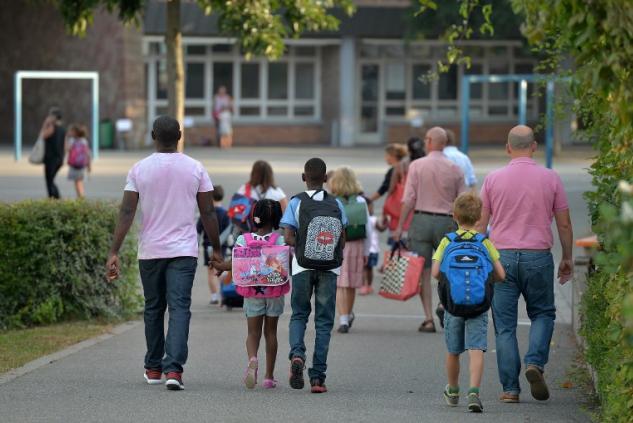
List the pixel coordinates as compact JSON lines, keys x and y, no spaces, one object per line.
{"x":433,"y":183}
{"x":167,"y":186}
{"x":522,"y":198}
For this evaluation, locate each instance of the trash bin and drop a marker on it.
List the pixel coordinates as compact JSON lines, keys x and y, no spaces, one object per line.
{"x":106,"y":134}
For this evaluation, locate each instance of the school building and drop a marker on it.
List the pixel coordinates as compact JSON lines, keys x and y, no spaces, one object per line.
{"x":359,"y":85}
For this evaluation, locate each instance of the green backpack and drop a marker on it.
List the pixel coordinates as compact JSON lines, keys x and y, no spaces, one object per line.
{"x":356,"y":218}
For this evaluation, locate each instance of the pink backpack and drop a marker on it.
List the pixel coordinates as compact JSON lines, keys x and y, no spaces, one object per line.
{"x":261,"y":268}
{"x":79,"y":154}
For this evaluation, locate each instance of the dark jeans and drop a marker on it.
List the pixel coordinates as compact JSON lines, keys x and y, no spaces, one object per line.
{"x":167,"y":283}
{"x":50,"y":171}
{"x":323,"y":284}
{"x":531,"y":274}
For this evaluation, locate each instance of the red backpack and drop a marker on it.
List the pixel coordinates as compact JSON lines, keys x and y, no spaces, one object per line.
{"x":79,"y":154}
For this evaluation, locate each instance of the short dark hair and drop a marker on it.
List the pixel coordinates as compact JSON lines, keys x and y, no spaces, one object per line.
{"x":415,"y":147}
{"x":266,"y":212}
{"x":315,"y":170}
{"x":55,"y":111}
{"x":166,"y":130}
{"x":218,"y":193}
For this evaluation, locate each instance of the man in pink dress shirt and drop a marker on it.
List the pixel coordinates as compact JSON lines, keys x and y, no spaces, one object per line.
{"x":521,"y":200}
{"x":433,"y":184}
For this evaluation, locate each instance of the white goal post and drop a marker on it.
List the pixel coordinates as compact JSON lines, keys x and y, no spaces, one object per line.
{"x":20,"y":75}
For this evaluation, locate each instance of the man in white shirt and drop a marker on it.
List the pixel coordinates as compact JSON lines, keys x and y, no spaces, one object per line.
{"x":460,"y":159}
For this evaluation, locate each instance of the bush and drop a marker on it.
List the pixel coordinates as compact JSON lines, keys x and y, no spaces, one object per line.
{"x":52,"y":263}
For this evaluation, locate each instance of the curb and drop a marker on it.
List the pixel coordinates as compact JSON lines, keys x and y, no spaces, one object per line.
{"x":58,"y":355}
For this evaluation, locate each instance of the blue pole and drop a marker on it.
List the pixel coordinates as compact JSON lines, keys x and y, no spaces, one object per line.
{"x":18,"y":116}
{"x":465,"y":114}
{"x":549,"y":128}
{"x":523,"y":102}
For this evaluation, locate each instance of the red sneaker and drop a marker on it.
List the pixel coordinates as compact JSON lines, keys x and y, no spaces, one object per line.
{"x":174,"y":381}
{"x":153,"y":376}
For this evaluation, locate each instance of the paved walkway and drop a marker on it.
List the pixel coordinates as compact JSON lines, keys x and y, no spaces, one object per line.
{"x":383,"y":370}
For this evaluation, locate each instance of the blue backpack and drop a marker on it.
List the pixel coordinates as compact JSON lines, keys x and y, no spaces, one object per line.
{"x":466,"y":276}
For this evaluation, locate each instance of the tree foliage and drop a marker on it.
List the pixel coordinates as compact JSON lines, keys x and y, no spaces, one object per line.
{"x":260,"y":25}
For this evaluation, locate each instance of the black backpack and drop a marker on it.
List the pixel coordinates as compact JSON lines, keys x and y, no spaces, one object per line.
{"x":318,"y":239}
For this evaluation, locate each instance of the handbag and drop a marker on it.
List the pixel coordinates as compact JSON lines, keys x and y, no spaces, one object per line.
{"x":37,"y":153}
{"x":393,"y":207}
{"x":401,"y":278}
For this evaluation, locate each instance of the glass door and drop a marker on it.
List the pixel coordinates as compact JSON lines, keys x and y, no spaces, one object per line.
{"x":369,"y":124}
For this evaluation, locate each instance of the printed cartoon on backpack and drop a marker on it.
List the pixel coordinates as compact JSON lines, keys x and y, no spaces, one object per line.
{"x":466,"y":276}
{"x":261,"y":263}
{"x":240,"y":209}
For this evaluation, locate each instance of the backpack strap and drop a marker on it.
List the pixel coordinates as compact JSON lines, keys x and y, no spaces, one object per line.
{"x":273,"y":238}
{"x":316,"y":192}
{"x":452,"y":236}
{"x":248,"y":238}
{"x":247,"y":190}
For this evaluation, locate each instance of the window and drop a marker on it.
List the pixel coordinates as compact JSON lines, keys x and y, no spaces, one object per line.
{"x":250,"y":80}
{"x":278,"y":81}
{"x":282,"y":90}
{"x":304,"y":81}
{"x":447,"y":84}
{"x":194,"y":80}
{"x":223,"y":76}
{"x":421,"y":87}
{"x":475,"y":88}
{"x":394,"y":84}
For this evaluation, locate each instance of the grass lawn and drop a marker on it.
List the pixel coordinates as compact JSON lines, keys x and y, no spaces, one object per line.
{"x":20,"y":346}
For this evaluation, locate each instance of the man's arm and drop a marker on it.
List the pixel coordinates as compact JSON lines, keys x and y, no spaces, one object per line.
{"x":126,"y":218}
{"x":210,"y":221}
{"x":482,"y":225}
{"x":566,"y":235}
{"x":406,"y":209}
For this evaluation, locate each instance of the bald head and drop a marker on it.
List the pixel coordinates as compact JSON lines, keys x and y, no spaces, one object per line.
{"x":521,"y":137}
{"x":436,"y":139}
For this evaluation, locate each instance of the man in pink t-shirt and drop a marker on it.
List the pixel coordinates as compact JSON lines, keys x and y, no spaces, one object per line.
{"x":169,"y":185}
{"x":520,"y":201}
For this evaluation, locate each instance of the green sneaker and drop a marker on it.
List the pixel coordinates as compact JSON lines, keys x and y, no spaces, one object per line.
{"x":474,"y":403}
{"x":451,"y":398}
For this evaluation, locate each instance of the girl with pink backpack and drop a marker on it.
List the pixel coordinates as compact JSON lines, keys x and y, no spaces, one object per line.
{"x":260,"y":270}
{"x":79,"y":157}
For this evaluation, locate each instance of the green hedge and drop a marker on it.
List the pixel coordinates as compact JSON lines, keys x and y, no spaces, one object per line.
{"x":52,"y":263}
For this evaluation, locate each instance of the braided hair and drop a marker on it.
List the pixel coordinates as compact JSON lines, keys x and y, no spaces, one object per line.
{"x":266,"y":212}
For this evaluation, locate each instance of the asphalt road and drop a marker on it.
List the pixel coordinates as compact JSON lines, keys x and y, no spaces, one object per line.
{"x":382,"y":371}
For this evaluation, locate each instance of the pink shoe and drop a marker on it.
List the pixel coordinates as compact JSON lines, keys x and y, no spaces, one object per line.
{"x":363,"y":290}
{"x":250,"y":376}
{"x":270,"y":383}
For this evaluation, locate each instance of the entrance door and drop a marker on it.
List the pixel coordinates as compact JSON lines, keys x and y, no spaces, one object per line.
{"x":369,"y":121}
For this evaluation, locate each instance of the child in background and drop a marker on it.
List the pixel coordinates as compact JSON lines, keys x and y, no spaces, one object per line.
{"x":223,"y":223}
{"x":79,"y":157}
{"x":262,"y":305}
{"x":314,"y":224}
{"x":466,"y":333}
{"x":358,"y":234}
{"x":374,"y":251}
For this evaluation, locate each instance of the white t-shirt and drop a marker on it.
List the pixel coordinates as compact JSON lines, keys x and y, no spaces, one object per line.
{"x":374,"y":247}
{"x":273,"y":193}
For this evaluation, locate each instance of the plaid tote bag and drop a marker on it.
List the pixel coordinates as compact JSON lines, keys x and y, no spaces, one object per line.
{"x":401,"y":279}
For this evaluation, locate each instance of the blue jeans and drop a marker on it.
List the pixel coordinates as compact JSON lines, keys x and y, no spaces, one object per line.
{"x":323,"y":284}
{"x":531,"y":274}
{"x":167,"y":283}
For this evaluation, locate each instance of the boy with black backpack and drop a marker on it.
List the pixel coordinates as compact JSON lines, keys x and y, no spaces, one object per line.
{"x":314,"y":224}
{"x":466,"y":264}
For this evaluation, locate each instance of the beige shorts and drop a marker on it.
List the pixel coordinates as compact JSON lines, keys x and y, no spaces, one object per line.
{"x":426,"y":233}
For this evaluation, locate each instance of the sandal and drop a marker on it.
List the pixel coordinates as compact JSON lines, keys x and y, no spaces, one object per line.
{"x":250,"y":376}
{"x":427,"y":326}
{"x":270,"y":383}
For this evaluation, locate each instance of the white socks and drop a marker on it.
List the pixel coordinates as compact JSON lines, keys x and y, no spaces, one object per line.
{"x":215,"y":297}
{"x":344,"y":319}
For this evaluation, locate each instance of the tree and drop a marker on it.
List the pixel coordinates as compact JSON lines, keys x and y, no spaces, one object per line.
{"x":260,"y":26}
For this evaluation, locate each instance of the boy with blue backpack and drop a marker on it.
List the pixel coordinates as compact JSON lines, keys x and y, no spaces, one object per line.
{"x":466,"y":264}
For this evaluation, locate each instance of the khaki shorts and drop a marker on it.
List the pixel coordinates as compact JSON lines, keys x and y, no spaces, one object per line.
{"x":426,"y":233}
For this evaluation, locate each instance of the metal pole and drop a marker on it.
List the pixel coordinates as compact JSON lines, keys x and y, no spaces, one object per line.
{"x":549,"y":128}
{"x":465,"y":114}
{"x":18,"y":117}
{"x":95,"y":116}
{"x":523,"y":102}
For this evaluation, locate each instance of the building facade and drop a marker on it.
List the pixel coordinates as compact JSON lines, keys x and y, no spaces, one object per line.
{"x":363,"y":84}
